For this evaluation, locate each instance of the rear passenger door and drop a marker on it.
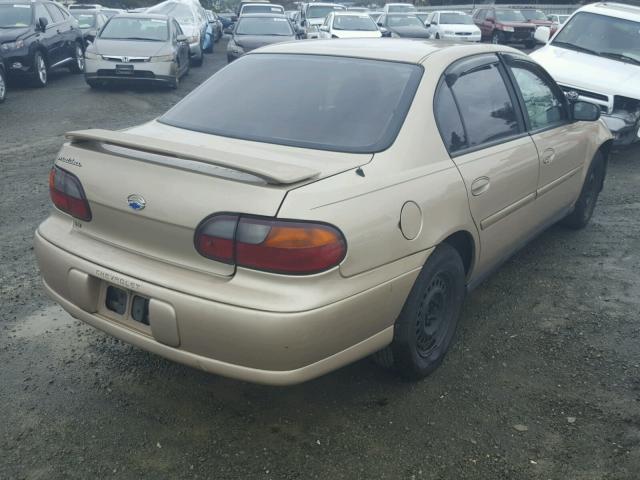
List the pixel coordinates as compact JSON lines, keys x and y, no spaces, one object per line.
{"x":482,"y":127}
{"x":562,"y":153}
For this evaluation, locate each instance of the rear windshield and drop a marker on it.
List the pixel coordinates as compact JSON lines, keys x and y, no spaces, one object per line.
{"x":321,"y":103}
{"x":14,"y":16}
{"x":321,"y":11}
{"x":123,"y":28}
{"x":85,"y":20}
{"x":401,"y":8}
{"x":533,"y":15}
{"x":262,"y":9}
{"x":264,"y":26}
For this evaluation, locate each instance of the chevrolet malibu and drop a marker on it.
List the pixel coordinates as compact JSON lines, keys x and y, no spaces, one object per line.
{"x":270,"y":245}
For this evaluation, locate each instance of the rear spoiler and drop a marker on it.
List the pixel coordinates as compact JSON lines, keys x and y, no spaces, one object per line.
{"x":269,"y":170}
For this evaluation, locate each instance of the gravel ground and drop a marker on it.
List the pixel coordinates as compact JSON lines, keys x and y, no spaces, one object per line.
{"x":543,"y":382}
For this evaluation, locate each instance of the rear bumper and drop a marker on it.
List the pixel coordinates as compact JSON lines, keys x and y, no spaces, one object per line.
{"x":276,"y":348}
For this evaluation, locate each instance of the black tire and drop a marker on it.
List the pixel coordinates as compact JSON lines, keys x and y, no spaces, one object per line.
{"x":529,"y":44}
{"x":93,"y":84}
{"x":427,"y":323}
{"x":77,"y":66}
{"x":40,"y":74}
{"x":437,"y":36}
{"x":586,"y":203}
{"x":209,"y":49}
{"x":3,"y":85}
{"x":197,"y":61}
{"x":496,"y":38}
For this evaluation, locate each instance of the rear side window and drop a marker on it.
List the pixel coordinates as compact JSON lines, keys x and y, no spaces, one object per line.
{"x":448,"y":119}
{"x":487,"y":112}
{"x":323,"y":103}
{"x":42,"y":12}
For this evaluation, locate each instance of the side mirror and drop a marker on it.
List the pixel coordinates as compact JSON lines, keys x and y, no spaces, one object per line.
{"x":42,"y":23}
{"x":585,"y":111}
{"x":181,"y":38}
{"x":324,"y":28}
{"x":380,"y":24}
{"x":542,"y":35}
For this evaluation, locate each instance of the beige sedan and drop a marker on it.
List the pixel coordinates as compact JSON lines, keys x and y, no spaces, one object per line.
{"x":274,"y":243}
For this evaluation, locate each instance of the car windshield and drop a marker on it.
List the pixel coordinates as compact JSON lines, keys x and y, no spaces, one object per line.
{"x":401,"y":8}
{"x":181,"y":12}
{"x":352,"y":22}
{"x":85,"y":20}
{"x":15,"y":16}
{"x":533,"y":15}
{"x":562,"y":18}
{"x":334,"y":108}
{"x":262,"y":9}
{"x":404,"y":21}
{"x":264,"y":26}
{"x":602,"y":35}
{"x":122,"y":28}
{"x":455,"y":19}
{"x":321,"y":11}
{"x":510,"y":16}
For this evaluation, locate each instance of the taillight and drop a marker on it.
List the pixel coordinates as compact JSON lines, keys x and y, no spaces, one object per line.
{"x":67,"y":194}
{"x":263,"y":243}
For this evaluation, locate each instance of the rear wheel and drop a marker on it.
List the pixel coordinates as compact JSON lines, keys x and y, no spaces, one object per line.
{"x":586,"y":203}
{"x":40,"y":70}
{"x":426,"y":326}
{"x":437,"y":36}
{"x":77,"y":66}
{"x":495,"y":37}
{"x":196,"y":61}
{"x":3,"y":85}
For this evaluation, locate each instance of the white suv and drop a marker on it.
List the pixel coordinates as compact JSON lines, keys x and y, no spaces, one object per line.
{"x":595,"y":56}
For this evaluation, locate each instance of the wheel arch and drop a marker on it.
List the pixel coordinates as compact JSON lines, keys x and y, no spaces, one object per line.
{"x":464,"y":243}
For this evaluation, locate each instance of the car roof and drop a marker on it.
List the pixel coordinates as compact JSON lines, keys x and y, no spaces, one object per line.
{"x":399,"y":50}
{"x":263,"y":15}
{"x":618,"y":10}
{"x":142,"y":15}
{"x":350,"y":13}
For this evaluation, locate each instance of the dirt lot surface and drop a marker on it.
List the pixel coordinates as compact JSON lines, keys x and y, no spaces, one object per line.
{"x":543,"y":382}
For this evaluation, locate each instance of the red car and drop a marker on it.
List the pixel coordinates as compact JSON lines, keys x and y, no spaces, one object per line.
{"x":539,"y":19}
{"x":504,"y":25}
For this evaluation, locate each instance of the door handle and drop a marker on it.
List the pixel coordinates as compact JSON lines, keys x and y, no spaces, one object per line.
{"x":548,"y":156}
{"x":480,"y":185}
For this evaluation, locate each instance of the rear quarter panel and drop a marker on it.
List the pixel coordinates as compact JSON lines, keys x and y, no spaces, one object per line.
{"x":367,"y":208}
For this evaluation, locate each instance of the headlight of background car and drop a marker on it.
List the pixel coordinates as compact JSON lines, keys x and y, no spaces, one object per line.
{"x":12,"y":45}
{"x":90,"y":55}
{"x":508,"y":29}
{"x":162,"y":58}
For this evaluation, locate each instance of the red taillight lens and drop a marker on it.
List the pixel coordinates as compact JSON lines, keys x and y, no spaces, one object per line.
{"x":279,"y":246}
{"x":67,"y":194}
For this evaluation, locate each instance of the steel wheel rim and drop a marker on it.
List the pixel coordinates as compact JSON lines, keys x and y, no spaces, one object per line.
{"x":431,"y":322}
{"x":3,"y":87}
{"x":79,"y":57}
{"x":42,"y":69}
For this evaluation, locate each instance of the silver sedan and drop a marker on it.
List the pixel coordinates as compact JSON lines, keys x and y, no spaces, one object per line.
{"x":138,"y":48}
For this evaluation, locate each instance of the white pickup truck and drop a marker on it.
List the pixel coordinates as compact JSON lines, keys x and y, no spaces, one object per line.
{"x":595,"y":56}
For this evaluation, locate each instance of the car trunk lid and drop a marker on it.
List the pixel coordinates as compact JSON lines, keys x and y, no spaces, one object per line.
{"x":148,"y":194}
